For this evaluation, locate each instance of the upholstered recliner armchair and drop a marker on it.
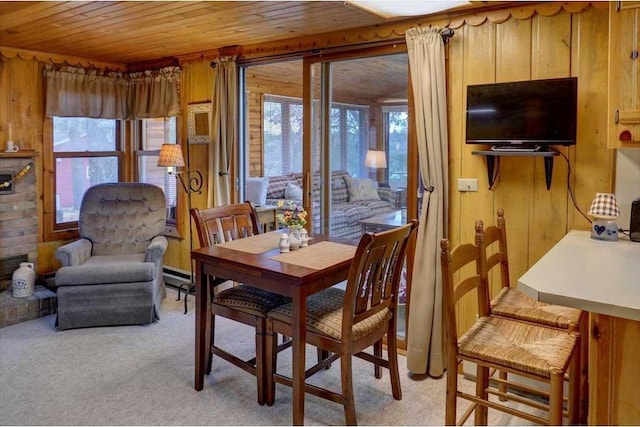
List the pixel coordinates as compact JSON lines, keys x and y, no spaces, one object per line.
{"x":112,"y":275}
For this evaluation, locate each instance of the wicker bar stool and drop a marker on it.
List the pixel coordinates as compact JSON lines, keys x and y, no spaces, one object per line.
{"x":528,"y":350}
{"x":513,"y":304}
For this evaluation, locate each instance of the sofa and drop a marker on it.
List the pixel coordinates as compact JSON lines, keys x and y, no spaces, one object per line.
{"x":352,"y":200}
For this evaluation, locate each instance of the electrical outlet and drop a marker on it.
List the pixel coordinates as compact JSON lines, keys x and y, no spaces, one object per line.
{"x":467,"y":184}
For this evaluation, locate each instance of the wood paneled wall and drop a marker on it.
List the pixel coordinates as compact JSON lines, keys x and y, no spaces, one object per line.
{"x":562,"y":44}
{"x":197,"y":86}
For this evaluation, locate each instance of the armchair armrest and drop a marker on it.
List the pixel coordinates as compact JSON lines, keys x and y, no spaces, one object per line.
{"x":74,"y":253}
{"x":156,"y":249}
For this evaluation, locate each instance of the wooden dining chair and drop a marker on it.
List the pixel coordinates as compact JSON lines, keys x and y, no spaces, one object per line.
{"x":243,"y":303}
{"x":347,"y":322}
{"x":512,"y":303}
{"x":532,"y":351}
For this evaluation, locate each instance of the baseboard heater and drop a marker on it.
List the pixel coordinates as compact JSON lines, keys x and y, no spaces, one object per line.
{"x":175,"y":277}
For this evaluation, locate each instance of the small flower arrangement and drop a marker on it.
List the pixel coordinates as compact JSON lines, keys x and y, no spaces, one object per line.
{"x":292,"y":216}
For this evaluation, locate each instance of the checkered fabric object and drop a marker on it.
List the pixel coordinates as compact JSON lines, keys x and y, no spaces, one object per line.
{"x":345,"y":214}
{"x":278,"y":184}
{"x":604,"y":206}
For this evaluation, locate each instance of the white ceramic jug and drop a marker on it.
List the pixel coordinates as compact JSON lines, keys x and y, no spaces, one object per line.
{"x":284,"y":243}
{"x":23,"y":280}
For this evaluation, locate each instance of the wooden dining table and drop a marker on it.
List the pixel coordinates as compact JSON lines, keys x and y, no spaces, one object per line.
{"x":257,"y":261}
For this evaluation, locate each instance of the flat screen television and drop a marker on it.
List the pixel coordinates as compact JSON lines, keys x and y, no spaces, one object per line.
{"x":532,"y":113}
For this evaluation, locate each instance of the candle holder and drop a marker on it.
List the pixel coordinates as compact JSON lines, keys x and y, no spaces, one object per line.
{"x":11,"y":147}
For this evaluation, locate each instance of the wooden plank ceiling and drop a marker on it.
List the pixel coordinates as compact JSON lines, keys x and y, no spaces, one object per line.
{"x":380,"y":80}
{"x":131,"y":32}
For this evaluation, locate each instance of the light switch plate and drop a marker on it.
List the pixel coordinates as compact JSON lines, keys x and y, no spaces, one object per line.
{"x":467,"y":184}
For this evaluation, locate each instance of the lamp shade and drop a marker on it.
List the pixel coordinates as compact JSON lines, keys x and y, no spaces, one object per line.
{"x":604,"y":206}
{"x":170,"y":156}
{"x":375,"y":159}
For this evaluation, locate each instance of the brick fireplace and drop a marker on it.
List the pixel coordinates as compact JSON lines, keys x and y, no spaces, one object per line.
{"x":18,"y":210}
{"x":19,"y":240}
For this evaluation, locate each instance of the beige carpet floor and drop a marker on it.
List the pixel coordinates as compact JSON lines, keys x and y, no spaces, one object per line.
{"x":143,"y":375}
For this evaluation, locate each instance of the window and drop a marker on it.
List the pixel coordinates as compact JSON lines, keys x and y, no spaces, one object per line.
{"x":153,"y":133}
{"x":86,"y":152}
{"x":349,"y":140}
{"x":282,"y":131}
{"x":396,"y":140}
{"x":282,"y":128}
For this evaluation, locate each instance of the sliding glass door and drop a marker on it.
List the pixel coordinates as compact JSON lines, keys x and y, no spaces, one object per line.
{"x":324,"y":125}
{"x":357,"y":135}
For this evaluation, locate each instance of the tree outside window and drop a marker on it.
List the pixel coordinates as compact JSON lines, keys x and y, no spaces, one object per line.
{"x":282,"y":132}
{"x":349,"y":138}
{"x":396,"y":135}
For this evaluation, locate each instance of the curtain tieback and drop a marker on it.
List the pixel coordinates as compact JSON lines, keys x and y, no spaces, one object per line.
{"x":430,"y":188}
{"x":223,"y":173}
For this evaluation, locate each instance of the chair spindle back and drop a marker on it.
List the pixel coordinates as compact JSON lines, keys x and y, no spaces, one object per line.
{"x":221,"y":224}
{"x":458,"y":280}
{"x":374,"y":276}
{"x":498,"y":234}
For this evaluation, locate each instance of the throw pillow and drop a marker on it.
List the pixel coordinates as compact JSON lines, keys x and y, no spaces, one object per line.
{"x":361,"y":189}
{"x":293,"y":192}
{"x":256,"y":190}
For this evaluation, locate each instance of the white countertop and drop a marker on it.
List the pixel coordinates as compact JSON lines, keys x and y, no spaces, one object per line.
{"x":592,"y":275}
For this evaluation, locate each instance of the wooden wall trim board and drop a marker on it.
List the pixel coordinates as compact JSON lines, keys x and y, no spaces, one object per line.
{"x":396,"y":30}
{"x":44,"y":57}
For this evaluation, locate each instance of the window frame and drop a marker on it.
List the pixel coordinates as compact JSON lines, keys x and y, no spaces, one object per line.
{"x":173,"y":226}
{"x":343,"y":109}
{"x":385,"y":110}
{"x":343,"y":130}
{"x":285,"y":131}
{"x":69,"y":230}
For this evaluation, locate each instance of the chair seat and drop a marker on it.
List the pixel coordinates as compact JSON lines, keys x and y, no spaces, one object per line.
{"x":514,"y":304}
{"x":324,"y":315}
{"x":523,"y":346}
{"x":250,"y":300}
{"x":107,"y":269}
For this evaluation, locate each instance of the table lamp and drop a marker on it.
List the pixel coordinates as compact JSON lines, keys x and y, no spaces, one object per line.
{"x":376,"y":160}
{"x":171,"y":158}
{"x":604,"y":210}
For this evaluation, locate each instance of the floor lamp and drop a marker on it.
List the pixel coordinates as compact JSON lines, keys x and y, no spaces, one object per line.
{"x":171,"y":158}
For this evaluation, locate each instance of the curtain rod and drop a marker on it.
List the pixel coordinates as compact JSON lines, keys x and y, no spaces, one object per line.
{"x":446,"y":34}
